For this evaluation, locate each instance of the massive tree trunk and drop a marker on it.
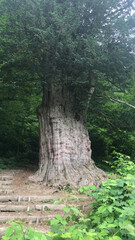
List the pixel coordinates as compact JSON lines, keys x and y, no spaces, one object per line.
{"x":65,"y":149}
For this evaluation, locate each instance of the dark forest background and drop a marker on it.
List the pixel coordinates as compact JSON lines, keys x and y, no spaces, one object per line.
{"x":111,"y":125}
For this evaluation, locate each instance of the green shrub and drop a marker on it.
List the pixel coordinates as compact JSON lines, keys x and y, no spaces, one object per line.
{"x":18,"y":231}
{"x":122,"y":164}
{"x":113,"y":212}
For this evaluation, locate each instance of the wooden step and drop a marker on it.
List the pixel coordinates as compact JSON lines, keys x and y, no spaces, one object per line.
{"x":5,"y":182}
{"x":20,"y":208}
{"x":14,"y":208}
{"x":5,"y":178}
{"x":44,"y":199}
{"x":6,"y":191}
{"x":25,"y":218}
{"x":5,"y":187}
{"x":52,"y":207}
{"x":27,"y":198}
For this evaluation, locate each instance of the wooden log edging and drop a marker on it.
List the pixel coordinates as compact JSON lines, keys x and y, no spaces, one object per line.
{"x":5,"y":178}
{"x":5,"y":182}
{"x":27,"y":219}
{"x":41,"y":207}
{"x":6,"y":191}
{"x":44,"y":199}
{"x":27,"y":198}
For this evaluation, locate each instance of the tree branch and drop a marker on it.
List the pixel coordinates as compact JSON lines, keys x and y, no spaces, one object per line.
{"x":120,"y":101}
{"x":107,"y":120}
{"x":91,"y":91}
{"x":116,"y":100}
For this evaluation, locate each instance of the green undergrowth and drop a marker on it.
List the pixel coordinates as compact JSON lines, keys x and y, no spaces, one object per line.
{"x":111,"y":215}
{"x":12,"y":163}
{"x":16,"y":163}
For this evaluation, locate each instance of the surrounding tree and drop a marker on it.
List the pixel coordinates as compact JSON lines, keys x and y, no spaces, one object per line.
{"x":67,"y":48}
{"x":19,"y":128}
{"x":111,"y":122}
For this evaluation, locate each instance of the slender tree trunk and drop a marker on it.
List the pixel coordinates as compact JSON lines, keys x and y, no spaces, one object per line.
{"x":65,"y":149}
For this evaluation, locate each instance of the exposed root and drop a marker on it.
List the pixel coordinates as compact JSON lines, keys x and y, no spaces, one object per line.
{"x":84,"y":177}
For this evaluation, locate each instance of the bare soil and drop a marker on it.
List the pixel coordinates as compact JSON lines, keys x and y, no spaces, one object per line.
{"x":21,"y":187}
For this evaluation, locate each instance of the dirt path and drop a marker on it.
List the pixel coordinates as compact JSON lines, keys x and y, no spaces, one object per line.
{"x":32,"y":203}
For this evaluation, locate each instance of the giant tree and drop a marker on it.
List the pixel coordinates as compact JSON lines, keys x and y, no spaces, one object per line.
{"x":67,"y":46}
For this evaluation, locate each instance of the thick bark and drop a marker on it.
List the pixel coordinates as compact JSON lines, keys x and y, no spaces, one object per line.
{"x":65,"y":151}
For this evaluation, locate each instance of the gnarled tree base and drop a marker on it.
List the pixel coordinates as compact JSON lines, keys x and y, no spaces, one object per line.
{"x":65,"y":152}
{"x":87,"y":176}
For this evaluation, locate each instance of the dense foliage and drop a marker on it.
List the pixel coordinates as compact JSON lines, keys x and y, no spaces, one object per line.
{"x":111,"y":123}
{"x":19,"y":130}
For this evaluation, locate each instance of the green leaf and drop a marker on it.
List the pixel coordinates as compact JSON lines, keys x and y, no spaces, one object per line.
{"x":110,"y":219}
{"x":67,"y":209}
{"x":95,"y":195}
{"x":102,"y":209}
{"x":59,"y":217}
{"x":58,"y":201}
{"x":115,"y":238}
{"x":93,"y":188}
{"x":124,"y":223}
{"x":54,"y":221}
